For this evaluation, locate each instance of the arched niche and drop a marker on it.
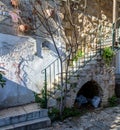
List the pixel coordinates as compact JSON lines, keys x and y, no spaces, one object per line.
{"x":89,"y":90}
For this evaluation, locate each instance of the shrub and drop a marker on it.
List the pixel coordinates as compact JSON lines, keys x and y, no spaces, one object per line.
{"x":54,"y":113}
{"x":112,"y":101}
{"x":107,"y":55}
{"x":70,"y":112}
{"x":40,"y":98}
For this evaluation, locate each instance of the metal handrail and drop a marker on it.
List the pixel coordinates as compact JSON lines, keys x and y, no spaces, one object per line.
{"x":82,"y":61}
{"x":49,"y":65}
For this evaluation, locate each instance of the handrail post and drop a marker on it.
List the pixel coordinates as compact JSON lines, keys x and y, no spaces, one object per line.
{"x":113,"y":36}
{"x":84,"y":52}
{"x":45,"y":88}
{"x":119,"y":34}
{"x":100,"y":31}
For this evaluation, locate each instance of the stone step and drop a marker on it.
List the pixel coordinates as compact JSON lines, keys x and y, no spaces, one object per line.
{"x":29,"y":125}
{"x":22,"y":114}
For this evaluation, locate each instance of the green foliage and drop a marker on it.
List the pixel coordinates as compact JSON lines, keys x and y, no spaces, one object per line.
{"x":2,"y":81}
{"x":40,"y":98}
{"x":70,"y":112}
{"x":59,"y":98}
{"x":57,"y":86}
{"x":54,"y":113}
{"x":79,"y":54}
{"x":112,"y":101}
{"x":107,"y":55}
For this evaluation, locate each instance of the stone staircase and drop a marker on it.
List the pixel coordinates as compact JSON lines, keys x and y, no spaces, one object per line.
{"x":117,"y":88}
{"x":27,"y":117}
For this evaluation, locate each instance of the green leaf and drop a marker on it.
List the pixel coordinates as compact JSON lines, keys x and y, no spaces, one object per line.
{"x":107,"y":55}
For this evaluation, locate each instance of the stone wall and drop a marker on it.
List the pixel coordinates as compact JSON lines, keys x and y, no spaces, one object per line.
{"x":26,"y":66}
{"x":96,"y":71}
{"x":22,"y":66}
{"x":15,"y":53}
{"x":102,"y":75}
{"x":86,"y":19}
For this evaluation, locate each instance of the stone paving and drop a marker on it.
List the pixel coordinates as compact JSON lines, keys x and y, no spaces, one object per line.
{"x":99,"y":119}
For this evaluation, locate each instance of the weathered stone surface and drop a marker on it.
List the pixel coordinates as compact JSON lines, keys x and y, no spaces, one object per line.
{"x":102,"y":75}
{"x":23,"y":116}
{"x":22,"y":69}
{"x":68,"y":102}
{"x":52,"y":102}
{"x":57,"y":94}
{"x":87,"y":21}
{"x":104,"y":80}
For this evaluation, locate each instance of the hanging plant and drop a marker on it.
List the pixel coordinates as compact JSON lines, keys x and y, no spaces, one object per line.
{"x":107,"y":55}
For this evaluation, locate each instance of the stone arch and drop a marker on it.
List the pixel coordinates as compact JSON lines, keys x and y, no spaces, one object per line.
{"x":90,"y":89}
{"x":98,"y":72}
{"x":93,"y":88}
{"x":71,"y":100}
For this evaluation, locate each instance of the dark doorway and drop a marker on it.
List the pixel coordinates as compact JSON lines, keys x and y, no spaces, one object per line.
{"x":89,"y":90}
{"x":88,"y":95}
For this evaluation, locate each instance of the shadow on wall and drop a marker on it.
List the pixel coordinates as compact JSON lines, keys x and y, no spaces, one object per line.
{"x":10,"y":43}
{"x":51,"y":46}
{"x":14,"y":94}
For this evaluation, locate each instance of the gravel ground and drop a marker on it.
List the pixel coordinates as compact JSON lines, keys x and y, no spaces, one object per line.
{"x":99,"y":119}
